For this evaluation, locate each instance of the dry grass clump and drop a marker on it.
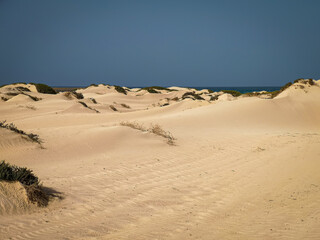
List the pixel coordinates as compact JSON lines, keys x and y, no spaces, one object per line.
{"x":125,"y":105}
{"x":12,"y":127}
{"x":29,"y":181}
{"x":155,"y":129}
{"x":134,"y":125}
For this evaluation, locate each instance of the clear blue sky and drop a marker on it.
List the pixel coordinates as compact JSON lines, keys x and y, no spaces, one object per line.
{"x":140,"y":43}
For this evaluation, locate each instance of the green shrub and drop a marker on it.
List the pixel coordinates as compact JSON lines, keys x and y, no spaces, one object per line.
{"x":151,"y":90}
{"x":29,"y":181}
{"x":120,"y":90}
{"x":43,"y":88}
{"x":154,"y":88}
{"x":232,"y":92}
{"x":13,"y":173}
{"x":78,"y":95}
{"x":192,"y":94}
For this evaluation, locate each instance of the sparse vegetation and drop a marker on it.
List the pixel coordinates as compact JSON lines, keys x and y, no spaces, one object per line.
{"x":113,"y":108}
{"x":192,"y":95}
{"x":4,"y":99}
{"x":154,"y":88}
{"x":134,"y":125}
{"x":43,"y":88}
{"x":24,"y":89}
{"x":214,"y":98}
{"x":175,"y":99}
{"x":32,"y":97}
{"x":29,"y":181}
{"x":74,"y":94}
{"x":285,"y":86}
{"x":232,"y":92}
{"x":120,"y":90}
{"x":151,"y":90}
{"x":155,"y":129}
{"x":12,"y":127}
{"x":86,"y":106}
{"x":93,"y":100}
{"x":78,"y":95}
{"x":125,"y":105}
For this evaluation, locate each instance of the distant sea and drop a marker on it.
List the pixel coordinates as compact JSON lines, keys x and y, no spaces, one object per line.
{"x":215,"y":89}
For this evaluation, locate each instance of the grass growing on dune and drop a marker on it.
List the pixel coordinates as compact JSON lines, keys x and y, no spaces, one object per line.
{"x":154,"y":129}
{"x":29,"y":181}
{"x":12,"y":127}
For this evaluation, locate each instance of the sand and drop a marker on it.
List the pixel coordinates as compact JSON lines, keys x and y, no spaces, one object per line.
{"x":240,"y":168}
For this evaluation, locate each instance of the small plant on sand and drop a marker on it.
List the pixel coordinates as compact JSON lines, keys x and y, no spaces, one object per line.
{"x":72,"y":94}
{"x":232,"y":92}
{"x":154,"y":88}
{"x":192,"y":95}
{"x":86,"y":106}
{"x":28,"y":180}
{"x":93,"y":100}
{"x":12,"y":127}
{"x":134,"y":125}
{"x":155,"y":129}
{"x":120,"y":90}
{"x":4,"y":99}
{"x":113,"y":108}
{"x":214,"y":98}
{"x":125,"y":105}
{"x":78,"y":95}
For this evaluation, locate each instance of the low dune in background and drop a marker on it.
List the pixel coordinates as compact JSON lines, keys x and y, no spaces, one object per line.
{"x":243,"y":167}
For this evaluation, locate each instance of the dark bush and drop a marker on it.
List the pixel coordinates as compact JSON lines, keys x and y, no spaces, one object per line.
{"x":93,"y":100}
{"x":154,"y":88}
{"x":113,"y":108}
{"x":192,"y":94}
{"x":23,"y":89}
{"x":13,"y":173}
{"x":30,"y":182}
{"x":120,"y":90}
{"x":43,"y":88}
{"x":310,"y":81}
{"x":78,"y":95}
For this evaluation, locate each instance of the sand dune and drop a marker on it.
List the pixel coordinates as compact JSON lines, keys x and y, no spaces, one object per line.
{"x":242,"y":167}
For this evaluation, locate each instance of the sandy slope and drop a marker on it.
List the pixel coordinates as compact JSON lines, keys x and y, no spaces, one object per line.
{"x":241,"y":169}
